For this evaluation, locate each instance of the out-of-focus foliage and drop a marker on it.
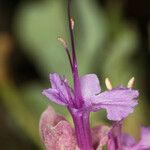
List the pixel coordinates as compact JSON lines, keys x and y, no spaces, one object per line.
{"x":40,"y":39}
{"x":105,"y":44}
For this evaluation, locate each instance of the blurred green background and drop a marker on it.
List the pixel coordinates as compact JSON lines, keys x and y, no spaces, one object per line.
{"x":112,"y":40}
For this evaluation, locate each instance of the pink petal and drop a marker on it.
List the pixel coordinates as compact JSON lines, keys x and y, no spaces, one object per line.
{"x":56,"y":132}
{"x":89,"y":86}
{"x":119,"y":102}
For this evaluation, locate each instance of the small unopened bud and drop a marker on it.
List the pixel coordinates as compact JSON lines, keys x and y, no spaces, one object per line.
{"x":72,"y":23}
{"x":131,"y":82}
{"x":62,"y":41}
{"x":108,"y":84}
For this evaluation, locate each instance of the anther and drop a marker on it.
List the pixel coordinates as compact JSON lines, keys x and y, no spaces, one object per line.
{"x":67,"y":50}
{"x":72,"y":23}
{"x":131,"y":82}
{"x":62,"y":41}
{"x":108,"y":84}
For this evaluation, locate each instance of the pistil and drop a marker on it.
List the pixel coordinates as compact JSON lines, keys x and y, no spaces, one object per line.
{"x":77,"y":88}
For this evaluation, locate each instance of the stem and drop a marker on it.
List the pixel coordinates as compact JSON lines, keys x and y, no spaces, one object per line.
{"x":70,"y":60}
{"x":67,"y":51}
{"x":82,"y":129}
{"x":77,"y":88}
{"x":115,"y":137}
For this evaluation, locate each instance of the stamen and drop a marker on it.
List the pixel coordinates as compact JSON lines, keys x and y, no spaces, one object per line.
{"x":131,"y":82}
{"x":108,"y":84}
{"x":62,"y":41}
{"x":67,"y":50}
{"x":72,"y":23}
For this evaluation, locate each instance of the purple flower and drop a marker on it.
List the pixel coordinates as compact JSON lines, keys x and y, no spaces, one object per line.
{"x":118,"y":102}
{"x":84,"y":97}
{"x":121,"y":141}
{"x":143,"y":143}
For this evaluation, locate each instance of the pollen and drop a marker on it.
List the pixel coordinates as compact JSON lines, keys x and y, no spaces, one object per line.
{"x":108,"y":84}
{"x":72,"y":23}
{"x":131,"y":82}
{"x":62,"y":41}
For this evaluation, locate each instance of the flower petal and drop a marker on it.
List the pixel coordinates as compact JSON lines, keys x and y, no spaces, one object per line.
{"x":127,"y":140}
{"x":60,"y":92}
{"x":89,"y":86}
{"x":145,"y":137}
{"x":144,"y":143}
{"x":119,"y":102}
{"x":56,"y":133}
{"x":54,"y":96}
